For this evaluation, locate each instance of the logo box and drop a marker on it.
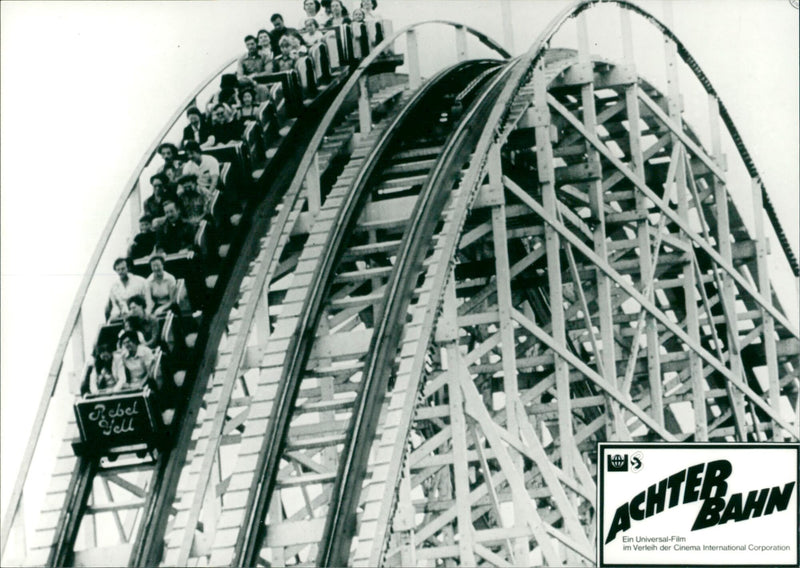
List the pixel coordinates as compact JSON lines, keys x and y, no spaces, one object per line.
{"x":698,"y":504}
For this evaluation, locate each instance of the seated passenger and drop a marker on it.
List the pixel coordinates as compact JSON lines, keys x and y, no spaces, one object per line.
{"x":172,"y":165}
{"x":196,"y":130}
{"x":192,"y":200}
{"x":162,"y":288}
{"x":264,"y":44}
{"x":102,"y":379}
{"x":249,"y":108}
{"x":223,"y":130}
{"x":203,"y":166}
{"x":128,"y":286}
{"x":311,"y":34}
{"x":154,"y":205}
{"x":369,"y":6}
{"x":358,"y":16}
{"x":251,"y":62}
{"x":140,"y":321}
{"x":338,"y":15}
{"x":132,"y":364}
{"x":174,"y":234}
{"x":144,"y":242}
{"x":279,"y":31}
{"x":314,"y":12}
{"x":290,"y":53}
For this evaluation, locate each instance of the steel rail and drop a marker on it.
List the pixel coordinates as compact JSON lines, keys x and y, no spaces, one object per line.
{"x":77,"y":304}
{"x":335,"y":543}
{"x":250,"y":539}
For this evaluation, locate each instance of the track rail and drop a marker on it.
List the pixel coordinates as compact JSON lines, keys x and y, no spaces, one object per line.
{"x":297,"y":352}
{"x":339,"y":529}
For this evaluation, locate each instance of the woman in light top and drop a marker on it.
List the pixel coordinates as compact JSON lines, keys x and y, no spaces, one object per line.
{"x":161,"y":286}
{"x":338,"y":15}
{"x":369,"y":7}
{"x":313,"y":9}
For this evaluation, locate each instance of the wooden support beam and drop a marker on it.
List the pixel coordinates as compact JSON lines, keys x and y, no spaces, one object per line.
{"x":650,"y":307}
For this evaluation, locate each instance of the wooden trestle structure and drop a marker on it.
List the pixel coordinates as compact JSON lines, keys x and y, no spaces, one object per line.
{"x":433,"y":338}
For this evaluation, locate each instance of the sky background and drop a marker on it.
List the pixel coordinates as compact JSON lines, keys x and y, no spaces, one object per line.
{"x":87,"y":86}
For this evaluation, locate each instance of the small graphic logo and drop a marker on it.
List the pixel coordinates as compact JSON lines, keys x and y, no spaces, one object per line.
{"x":637,"y":462}
{"x":618,"y":462}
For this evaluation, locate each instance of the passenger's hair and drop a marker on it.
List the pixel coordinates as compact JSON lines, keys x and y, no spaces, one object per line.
{"x":262,"y":32}
{"x":157,"y":256}
{"x":120,"y":259}
{"x":249,"y":37}
{"x":191,"y":146}
{"x":160,"y":177}
{"x":187,"y":177}
{"x":218,"y":106}
{"x":275,"y":16}
{"x":169,"y":145}
{"x":194,"y":110}
{"x":138,"y":300}
{"x":250,"y":90}
{"x":132,"y":335}
{"x":316,"y":5}
{"x":146,"y":217}
{"x":313,"y":21}
{"x":374,"y":4}
{"x":169,"y":201}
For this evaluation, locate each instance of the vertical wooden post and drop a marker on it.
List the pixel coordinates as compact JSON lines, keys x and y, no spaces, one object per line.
{"x":78,"y":354}
{"x":508,"y":28}
{"x":597,"y":206}
{"x":461,"y":43}
{"x":412,"y":55}
{"x":313,"y":186}
{"x":546,"y":168}
{"x":728,"y":291}
{"x":135,"y":204}
{"x":496,"y":196}
{"x":364,"y":110}
{"x":770,"y":350}
{"x":642,"y":233}
{"x":458,"y":425}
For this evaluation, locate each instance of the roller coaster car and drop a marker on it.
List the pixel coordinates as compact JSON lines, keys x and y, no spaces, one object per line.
{"x":118,"y":423}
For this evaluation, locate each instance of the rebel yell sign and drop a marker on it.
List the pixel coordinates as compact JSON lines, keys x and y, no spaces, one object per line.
{"x":115,"y":420}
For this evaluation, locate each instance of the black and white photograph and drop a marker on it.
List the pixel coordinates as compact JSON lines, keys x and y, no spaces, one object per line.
{"x":400,"y":283}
